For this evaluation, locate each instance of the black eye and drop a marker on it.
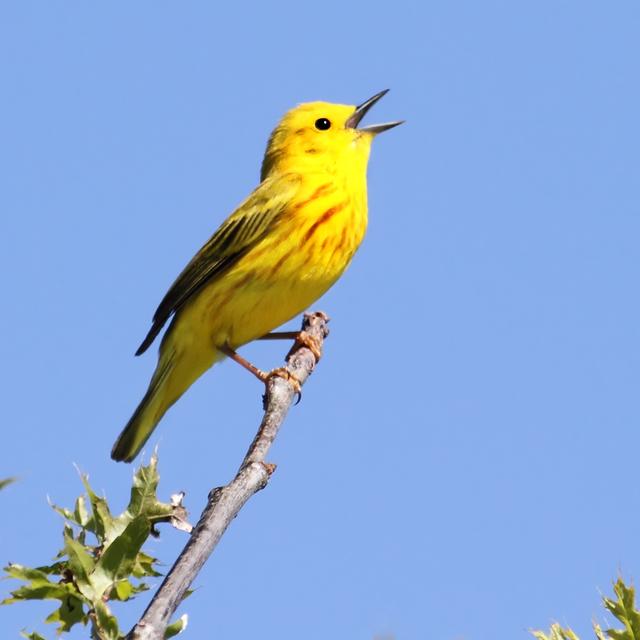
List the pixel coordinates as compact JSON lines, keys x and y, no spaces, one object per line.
{"x":323,"y":124}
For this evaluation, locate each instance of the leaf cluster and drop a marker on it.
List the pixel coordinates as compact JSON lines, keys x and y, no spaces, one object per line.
{"x":101,"y":559}
{"x":623,"y":608}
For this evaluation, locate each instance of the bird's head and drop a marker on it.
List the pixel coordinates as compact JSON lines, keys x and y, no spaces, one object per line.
{"x":320,"y":136}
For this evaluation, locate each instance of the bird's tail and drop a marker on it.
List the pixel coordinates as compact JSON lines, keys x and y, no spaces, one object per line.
{"x":172,"y":377}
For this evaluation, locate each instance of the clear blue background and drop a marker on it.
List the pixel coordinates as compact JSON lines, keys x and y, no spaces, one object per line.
{"x":464,"y":461}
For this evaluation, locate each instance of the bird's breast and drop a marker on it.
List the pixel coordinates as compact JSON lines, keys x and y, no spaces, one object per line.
{"x":327,"y":231}
{"x":291,"y":267}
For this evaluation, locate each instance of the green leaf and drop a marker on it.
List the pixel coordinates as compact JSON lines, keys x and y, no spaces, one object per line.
{"x":67,"y":530}
{"x":624,"y":609}
{"x":177,"y":627}
{"x":64,"y":512}
{"x":143,"y":566}
{"x":81,"y":513}
{"x":38,"y":591}
{"x":106,"y":622}
{"x":145,"y":485}
{"x":123,"y":590}
{"x":597,"y":629}
{"x":5,"y":482}
{"x":20,"y":572}
{"x":143,"y":500}
{"x":57,"y":568}
{"x":102,"y":521}
{"x":556,"y":633}
{"x":141,"y":587}
{"x":70,"y":612}
{"x":119,"y":557}
{"x":32,"y":636}
{"x":81,"y":565}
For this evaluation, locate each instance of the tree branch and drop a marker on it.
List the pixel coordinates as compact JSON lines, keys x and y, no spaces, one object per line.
{"x":225,"y":502}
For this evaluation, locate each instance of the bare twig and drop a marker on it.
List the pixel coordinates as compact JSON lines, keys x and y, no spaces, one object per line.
{"x":225,"y":502}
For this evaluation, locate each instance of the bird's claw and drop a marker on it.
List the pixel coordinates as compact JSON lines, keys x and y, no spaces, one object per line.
{"x":282,"y":372}
{"x":304,"y":339}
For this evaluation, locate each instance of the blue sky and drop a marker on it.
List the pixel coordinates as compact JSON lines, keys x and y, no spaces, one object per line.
{"x":464,"y":461}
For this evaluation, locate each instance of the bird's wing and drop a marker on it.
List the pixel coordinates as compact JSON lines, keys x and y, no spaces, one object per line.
{"x":241,"y":231}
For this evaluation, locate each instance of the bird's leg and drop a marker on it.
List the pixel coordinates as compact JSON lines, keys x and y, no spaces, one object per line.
{"x":263,"y":376}
{"x":243,"y":362}
{"x":280,"y":335}
{"x":302,"y":338}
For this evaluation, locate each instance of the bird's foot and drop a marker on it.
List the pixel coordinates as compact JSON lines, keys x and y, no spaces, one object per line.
{"x":283,"y":373}
{"x":304,"y":339}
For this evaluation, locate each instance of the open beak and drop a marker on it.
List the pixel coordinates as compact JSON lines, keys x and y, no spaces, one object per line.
{"x":361,"y":110}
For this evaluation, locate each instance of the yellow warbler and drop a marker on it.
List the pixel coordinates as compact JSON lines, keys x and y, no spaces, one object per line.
{"x":279,"y":251}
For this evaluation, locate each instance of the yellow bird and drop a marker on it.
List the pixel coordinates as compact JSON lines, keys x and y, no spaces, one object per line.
{"x":277,"y":253}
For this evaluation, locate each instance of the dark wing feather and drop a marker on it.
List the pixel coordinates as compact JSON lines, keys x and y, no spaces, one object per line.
{"x":247,"y":226}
